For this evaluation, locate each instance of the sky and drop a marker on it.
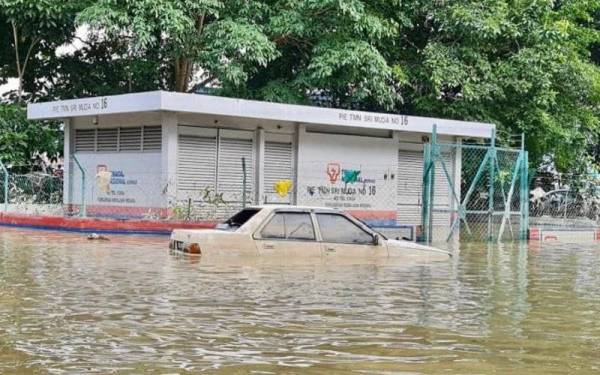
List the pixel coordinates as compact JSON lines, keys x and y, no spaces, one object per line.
{"x":11,"y":85}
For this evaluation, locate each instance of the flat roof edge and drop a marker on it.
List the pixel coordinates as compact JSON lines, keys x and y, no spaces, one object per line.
{"x":242,"y":108}
{"x":96,"y":106}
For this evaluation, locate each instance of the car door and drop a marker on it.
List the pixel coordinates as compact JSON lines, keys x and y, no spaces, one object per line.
{"x":288,"y":234}
{"x":342,"y":237}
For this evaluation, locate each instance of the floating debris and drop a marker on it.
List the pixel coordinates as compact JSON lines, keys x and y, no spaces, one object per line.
{"x":97,"y":237}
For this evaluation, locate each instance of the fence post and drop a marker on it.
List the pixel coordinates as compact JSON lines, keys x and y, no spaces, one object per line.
{"x":429,"y":153}
{"x":244,"y":183}
{"x":434,"y":151}
{"x":425,"y":197}
{"x":491,"y":185}
{"x":5,"y":186}
{"x":83,"y":208}
{"x":524,"y":191}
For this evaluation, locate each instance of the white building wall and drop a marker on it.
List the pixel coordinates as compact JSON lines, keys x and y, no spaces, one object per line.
{"x":169,"y":155}
{"x":67,"y":167}
{"x":144,"y":181}
{"x":327,"y":162}
{"x":135,"y":186}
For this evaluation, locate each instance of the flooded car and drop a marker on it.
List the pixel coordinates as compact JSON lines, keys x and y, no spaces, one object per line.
{"x":294,"y":231}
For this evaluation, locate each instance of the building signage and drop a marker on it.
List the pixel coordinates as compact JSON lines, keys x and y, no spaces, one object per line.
{"x":119,"y":179}
{"x":113,"y":186}
{"x":344,"y":187}
{"x":374,"y":118}
{"x":81,"y":106}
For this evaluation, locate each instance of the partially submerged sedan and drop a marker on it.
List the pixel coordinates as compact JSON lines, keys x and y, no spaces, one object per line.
{"x":292,"y":232}
{"x":297,"y":232}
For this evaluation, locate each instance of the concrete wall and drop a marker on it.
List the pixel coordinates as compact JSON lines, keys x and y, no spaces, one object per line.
{"x":118,"y":184}
{"x":326,"y":163}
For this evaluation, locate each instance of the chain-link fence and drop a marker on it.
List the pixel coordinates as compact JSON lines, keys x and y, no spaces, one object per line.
{"x":31,"y":192}
{"x":474,"y":192}
{"x":499,"y":210}
{"x":565,"y":201}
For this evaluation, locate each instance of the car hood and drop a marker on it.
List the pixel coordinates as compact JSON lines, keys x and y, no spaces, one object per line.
{"x":407,"y":248}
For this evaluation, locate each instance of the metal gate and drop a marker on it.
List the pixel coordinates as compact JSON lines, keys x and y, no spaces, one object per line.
{"x":488,"y":201}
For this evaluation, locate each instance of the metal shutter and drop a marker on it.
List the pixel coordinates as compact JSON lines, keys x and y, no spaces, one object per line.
{"x":85,"y":140}
{"x":441,"y":199}
{"x":196,"y":165}
{"x":152,"y":138}
{"x":130,"y":139}
{"x":410,"y":181}
{"x":230,"y":173}
{"x":410,"y":188}
{"x":107,"y":139}
{"x":277,"y":166}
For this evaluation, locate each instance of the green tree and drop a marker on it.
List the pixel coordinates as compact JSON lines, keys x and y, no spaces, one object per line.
{"x":31,"y":31}
{"x":101,"y":66}
{"x":280,"y":50}
{"x":206,"y":41}
{"x":526,"y":66}
{"x":330,"y":48}
{"x":523,"y":65}
{"x":21,"y":140}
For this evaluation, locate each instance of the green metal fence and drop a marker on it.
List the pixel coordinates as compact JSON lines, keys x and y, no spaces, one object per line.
{"x":486,"y":198}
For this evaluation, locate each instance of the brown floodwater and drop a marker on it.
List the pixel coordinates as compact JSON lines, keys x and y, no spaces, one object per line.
{"x":69,"y":305}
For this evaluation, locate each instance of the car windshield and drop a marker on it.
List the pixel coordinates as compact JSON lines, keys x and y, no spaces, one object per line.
{"x":239,"y":219}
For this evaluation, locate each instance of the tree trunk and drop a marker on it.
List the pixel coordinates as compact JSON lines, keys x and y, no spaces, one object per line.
{"x":183,"y":73}
{"x":18,"y":60}
{"x":21,"y":69}
{"x":184,"y":66}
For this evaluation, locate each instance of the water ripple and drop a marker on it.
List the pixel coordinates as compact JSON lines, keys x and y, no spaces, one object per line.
{"x":68,"y":305}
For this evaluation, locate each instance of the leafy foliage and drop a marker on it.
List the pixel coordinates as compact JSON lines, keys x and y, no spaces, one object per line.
{"x":330,"y":48}
{"x":216,"y":41}
{"x":17,"y":135}
{"x":31,"y":31}
{"x":523,"y":65}
{"x":526,"y":66}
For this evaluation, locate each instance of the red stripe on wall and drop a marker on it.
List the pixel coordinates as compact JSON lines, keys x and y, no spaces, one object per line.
{"x":124,"y":211}
{"x":100,"y":225}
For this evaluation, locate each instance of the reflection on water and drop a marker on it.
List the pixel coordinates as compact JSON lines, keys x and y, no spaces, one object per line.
{"x":68,"y":305}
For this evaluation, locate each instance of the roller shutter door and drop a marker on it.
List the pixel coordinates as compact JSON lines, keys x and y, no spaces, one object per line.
{"x":441,"y":201}
{"x":230,"y":173}
{"x":277,"y":167}
{"x":196,"y":165}
{"x":409,"y":178}
{"x":410,"y":188}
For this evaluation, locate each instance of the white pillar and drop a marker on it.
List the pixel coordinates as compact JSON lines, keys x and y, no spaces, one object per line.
{"x":297,"y":138}
{"x":260,"y":167}
{"x":169,"y":157}
{"x":457,"y":182}
{"x":67,"y":162}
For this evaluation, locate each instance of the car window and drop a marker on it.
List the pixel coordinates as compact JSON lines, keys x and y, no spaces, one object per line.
{"x":241,"y":217}
{"x":289,"y":226}
{"x":338,"y":228}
